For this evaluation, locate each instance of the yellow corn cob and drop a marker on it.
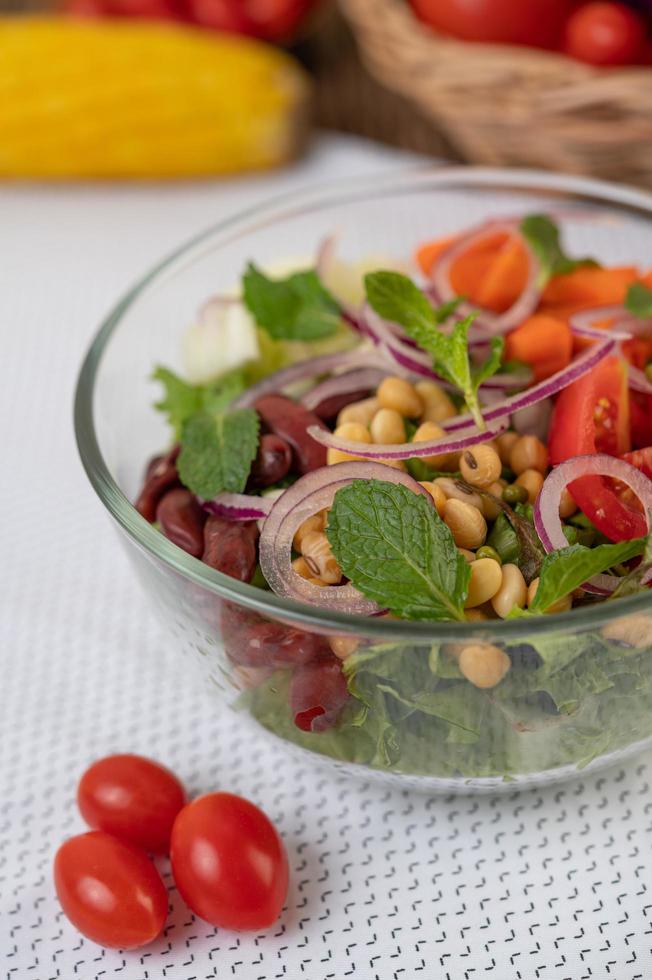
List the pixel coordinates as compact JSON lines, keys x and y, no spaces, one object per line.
{"x":134,"y":99}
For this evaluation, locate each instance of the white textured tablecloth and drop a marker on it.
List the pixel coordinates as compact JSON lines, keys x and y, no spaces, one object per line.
{"x":385,"y":884}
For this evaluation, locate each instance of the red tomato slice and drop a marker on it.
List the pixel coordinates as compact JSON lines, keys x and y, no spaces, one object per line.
{"x":592,"y":415}
{"x":642,"y":460}
{"x":133,"y":798}
{"x":641,"y":418}
{"x":110,"y":891}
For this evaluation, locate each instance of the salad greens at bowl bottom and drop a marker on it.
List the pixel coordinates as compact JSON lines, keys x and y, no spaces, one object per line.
{"x":469,"y":443}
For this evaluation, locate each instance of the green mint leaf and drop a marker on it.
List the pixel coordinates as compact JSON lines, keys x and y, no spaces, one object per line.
{"x":295,"y":308}
{"x":639,"y":300}
{"x":395,"y":297}
{"x":493,"y":363}
{"x":182,"y":400}
{"x":633,"y":583}
{"x":566,"y":569}
{"x":217,"y":451}
{"x":393,"y":546}
{"x":543,"y":237}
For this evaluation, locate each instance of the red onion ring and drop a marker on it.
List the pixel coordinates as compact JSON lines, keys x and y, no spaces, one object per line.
{"x":493,"y":323}
{"x":544,"y":389}
{"x":215,"y":305}
{"x":311,"y":493}
{"x":309,"y":368}
{"x":325,"y":255}
{"x":547,"y":522}
{"x":238,"y":506}
{"x":581,"y":324}
{"x":403,"y":450}
{"x":342,"y":384}
{"x":390,"y":337}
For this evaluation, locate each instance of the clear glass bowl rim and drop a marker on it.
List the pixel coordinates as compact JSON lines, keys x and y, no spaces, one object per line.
{"x":317,"y":197}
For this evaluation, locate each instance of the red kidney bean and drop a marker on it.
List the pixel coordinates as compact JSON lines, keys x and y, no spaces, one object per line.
{"x":160,"y":476}
{"x":290,"y":421}
{"x":318,"y":693}
{"x":230,"y":547}
{"x":252,"y":641}
{"x":330,"y":408}
{"x":182,"y":520}
{"x":272,"y":462}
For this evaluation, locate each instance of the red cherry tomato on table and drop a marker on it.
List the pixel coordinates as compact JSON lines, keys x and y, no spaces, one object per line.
{"x":110,"y":891}
{"x":605,"y":34}
{"x":592,"y":415}
{"x":229,"y":862}
{"x":535,"y":22}
{"x":133,"y":798}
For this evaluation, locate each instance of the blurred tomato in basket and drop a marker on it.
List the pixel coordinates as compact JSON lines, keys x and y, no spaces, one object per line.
{"x":606,"y":33}
{"x":534,"y":22}
{"x":272,"y":20}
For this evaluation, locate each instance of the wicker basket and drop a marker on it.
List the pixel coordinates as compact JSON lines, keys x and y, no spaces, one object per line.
{"x":509,"y":105}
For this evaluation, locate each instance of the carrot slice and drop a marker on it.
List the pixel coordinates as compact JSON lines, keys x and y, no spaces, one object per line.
{"x":505,"y":279}
{"x":586,"y":287}
{"x":477,"y":257}
{"x":428,"y":253}
{"x":543,"y":342}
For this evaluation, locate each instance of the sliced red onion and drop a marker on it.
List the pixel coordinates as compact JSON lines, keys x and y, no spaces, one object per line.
{"x":582,"y":324}
{"x":639,"y":381}
{"x":303,"y":370}
{"x":493,"y":323}
{"x":325,"y":255}
{"x":390,"y":337}
{"x":547,"y":522}
{"x":544,"y":389}
{"x":238,"y":506}
{"x":215,"y":306}
{"x":310,"y":494}
{"x":360,"y":379}
{"x":404,"y":450}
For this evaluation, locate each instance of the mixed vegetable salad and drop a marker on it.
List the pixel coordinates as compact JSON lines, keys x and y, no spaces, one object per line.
{"x":465,"y":439}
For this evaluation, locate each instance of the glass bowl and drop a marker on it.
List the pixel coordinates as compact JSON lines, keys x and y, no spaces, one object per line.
{"x":579,"y":692}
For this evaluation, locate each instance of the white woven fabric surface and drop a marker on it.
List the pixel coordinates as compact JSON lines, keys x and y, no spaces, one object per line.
{"x":385,"y":883}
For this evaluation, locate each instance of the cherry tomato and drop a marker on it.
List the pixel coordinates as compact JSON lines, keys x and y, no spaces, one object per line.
{"x":110,"y":891}
{"x":277,"y":19}
{"x":535,"y":22}
{"x":318,"y":693}
{"x":133,"y":798}
{"x":605,"y":34}
{"x":592,"y":415}
{"x":272,"y":20}
{"x":229,"y":862}
{"x":221,"y":15}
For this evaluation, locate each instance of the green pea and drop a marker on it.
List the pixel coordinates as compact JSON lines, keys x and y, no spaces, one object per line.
{"x":486,"y":551}
{"x":514,"y":494}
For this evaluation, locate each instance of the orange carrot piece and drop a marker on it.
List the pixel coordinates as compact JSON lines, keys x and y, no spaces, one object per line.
{"x":505,"y":279}
{"x":543,"y":342}
{"x":586,"y":287}
{"x":428,"y":253}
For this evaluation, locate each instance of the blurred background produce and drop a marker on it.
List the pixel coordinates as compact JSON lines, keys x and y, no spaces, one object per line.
{"x":182,"y":88}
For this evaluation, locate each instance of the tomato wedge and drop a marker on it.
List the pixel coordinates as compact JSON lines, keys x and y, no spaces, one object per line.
{"x":592,"y":415}
{"x":642,"y":460}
